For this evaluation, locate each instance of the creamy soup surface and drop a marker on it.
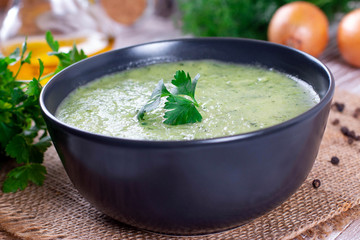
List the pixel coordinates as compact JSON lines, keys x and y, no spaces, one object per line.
{"x":233,"y":99}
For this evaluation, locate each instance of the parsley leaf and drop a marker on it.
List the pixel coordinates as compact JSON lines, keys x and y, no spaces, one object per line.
{"x":65,"y":59}
{"x":24,"y":48}
{"x":19,"y":177}
{"x":6,"y":76}
{"x":14,"y":55}
{"x":154,"y":101}
{"x":6,"y":134}
{"x":180,"y":109}
{"x":54,"y":45}
{"x":184,"y":85}
{"x":33,"y":88}
{"x":12,"y":149}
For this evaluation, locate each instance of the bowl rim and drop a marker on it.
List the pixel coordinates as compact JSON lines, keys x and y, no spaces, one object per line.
{"x":328,"y":95}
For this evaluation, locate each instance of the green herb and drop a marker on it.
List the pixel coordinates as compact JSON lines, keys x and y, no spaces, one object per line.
{"x":20,"y":124}
{"x":65,"y":59}
{"x":245,"y":18}
{"x":180,"y":110}
{"x":23,"y":133}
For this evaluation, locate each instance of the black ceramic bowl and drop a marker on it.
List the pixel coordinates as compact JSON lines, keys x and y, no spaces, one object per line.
{"x":198,"y":186}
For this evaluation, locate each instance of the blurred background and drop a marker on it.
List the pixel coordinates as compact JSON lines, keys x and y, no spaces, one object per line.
{"x":234,"y":18}
{"x":100,"y":25}
{"x":94,"y":26}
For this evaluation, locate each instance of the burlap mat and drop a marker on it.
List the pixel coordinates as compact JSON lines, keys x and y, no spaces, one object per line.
{"x":57,"y":211}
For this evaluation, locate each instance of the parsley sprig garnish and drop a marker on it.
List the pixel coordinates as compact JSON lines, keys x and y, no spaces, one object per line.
{"x":180,"y":109}
{"x":23,"y":133}
{"x":65,"y":59}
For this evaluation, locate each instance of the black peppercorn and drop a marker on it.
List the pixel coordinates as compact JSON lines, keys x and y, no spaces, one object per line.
{"x":316,"y":183}
{"x":352,"y":134}
{"x":335,"y":160}
{"x":335,"y":122}
{"x":339,"y":106}
{"x":344,"y":130}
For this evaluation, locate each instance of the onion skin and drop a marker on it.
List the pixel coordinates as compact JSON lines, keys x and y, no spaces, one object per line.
{"x":300,"y":25}
{"x":348,"y":37}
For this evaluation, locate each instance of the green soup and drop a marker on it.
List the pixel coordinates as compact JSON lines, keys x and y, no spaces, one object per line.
{"x":233,"y":99}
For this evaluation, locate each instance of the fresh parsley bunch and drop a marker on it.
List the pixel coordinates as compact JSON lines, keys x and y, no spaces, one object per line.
{"x":180,"y":109}
{"x":20,"y":124}
{"x":23,"y":133}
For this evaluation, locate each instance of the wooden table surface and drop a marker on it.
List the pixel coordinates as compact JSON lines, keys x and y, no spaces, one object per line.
{"x":346,"y":77}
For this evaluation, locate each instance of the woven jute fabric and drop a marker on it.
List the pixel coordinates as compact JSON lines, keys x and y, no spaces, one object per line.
{"x":57,"y":211}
